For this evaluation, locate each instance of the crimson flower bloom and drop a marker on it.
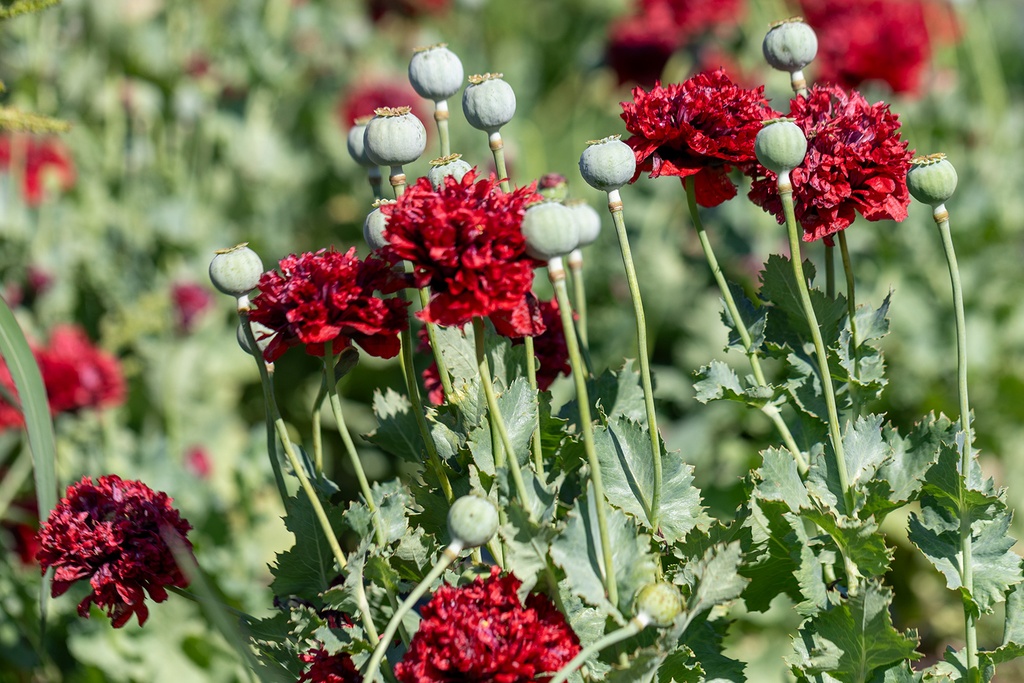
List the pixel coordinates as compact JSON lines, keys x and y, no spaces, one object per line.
{"x":465,"y":242}
{"x":328,"y":296}
{"x":884,"y":40}
{"x":112,"y":532}
{"x":855,"y":163}
{"x":482,"y":633}
{"x":701,"y":128}
{"x":190,"y":300}
{"x":363,"y":98}
{"x":327,"y":668}
{"x":40,"y":158}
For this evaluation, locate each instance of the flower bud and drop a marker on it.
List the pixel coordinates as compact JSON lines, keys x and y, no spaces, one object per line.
{"x":780,"y":145}
{"x":236,"y":271}
{"x":931,"y":179}
{"x":451,"y":165}
{"x":587,"y":219}
{"x":355,"y":142}
{"x":258,"y":330}
{"x":374,"y":225}
{"x":435,"y":72}
{"x":553,"y":186}
{"x":607,"y":164}
{"x":472,"y":520}
{"x":790,"y":45}
{"x":660,"y":602}
{"x":394,"y":137}
{"x":488,"y":102}
{"x":550,"y":230}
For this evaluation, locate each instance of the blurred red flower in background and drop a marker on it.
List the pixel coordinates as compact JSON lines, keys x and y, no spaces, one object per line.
{"x":38,"y":159}
{"x":361,"y":99}
{"x":407,"y":8}
{"x":328,"y":668}
{"x":190,"y":301}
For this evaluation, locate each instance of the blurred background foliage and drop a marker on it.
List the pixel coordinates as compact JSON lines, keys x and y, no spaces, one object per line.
{"x":195,"y":126}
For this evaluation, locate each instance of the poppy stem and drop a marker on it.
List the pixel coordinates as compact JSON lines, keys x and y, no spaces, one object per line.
{"x":633,"y":627}
{"x":531,"y":376}
{"x":851,"y":312}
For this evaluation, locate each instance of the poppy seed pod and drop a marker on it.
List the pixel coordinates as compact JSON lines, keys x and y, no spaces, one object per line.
{"x":550,"y":230}
{"x":375,"y":224}
{"x":931,"y":179}
{"x":394,"y":137}
{"x":790,"y":45}
{"x":356,"y":149}
{"x":780,"y":145}
{"x":258,"y":331}
{"x":607,"y":164}
{"x":451,"y":165}
{"x":472,"y":521}
{"x":660,"y":602}
{"x":435,"y":72}
{"x":588,"y":220}
{"x":488,"y":102}
{"x":236,"y":271}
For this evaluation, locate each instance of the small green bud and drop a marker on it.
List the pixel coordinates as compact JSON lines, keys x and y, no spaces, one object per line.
{"x":553,"y":186}
{"x":780,"y":145}
{"x":435,"y":72}
{"x":356,"y":149}
{"x":931,"y":179}
{"x":660,"y":602}
{"x":607,"y":164}
{"x":472,"y":520}
{"x":374,"y":225}
{"x":394,"y":137}
{"x":550,"y":230}
{"x":488,"y":102}
{"x":451,"y":165}
{"x":587,"y":219}
{"x":236,"y":271}
{"x":258,"y":330}
{"x":790,"y":45}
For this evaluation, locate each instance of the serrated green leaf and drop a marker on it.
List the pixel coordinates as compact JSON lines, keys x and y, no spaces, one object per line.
{"x":577,"y":550}
{"x":779,"y":480}
{"x":717,"y":381}
{"x":518,"y":406}
{"x":899,"y":479}
{"x":864,"y":448}
{"x":1012,"y":645}
{"x":754,"y":319}
{"x":706,"y":641}
{"x":526,"y":545}
{"x":308,"y":569}
{"x":852,"y":639}
{"x":642,"y":668}
{"x":617,"y":392}
{"x":714,"y":579}
{"x":858,"y":539}
{"x":810,"y":574}
{"x":769,"y":559}
{"x":680,"y":667}
{"x":779,"y":288}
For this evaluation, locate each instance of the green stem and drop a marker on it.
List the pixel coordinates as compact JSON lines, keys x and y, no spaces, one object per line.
{"x":494,"y":413}
{"x":376,"y":184}
{"x":448,"y":556}
{"x":851,"y":312}
{"x":825,"y":375}
{"x":579,"y":297}
{"x":966,"y":540}
{"x":830,"y":270}
{"x":442,"y":367}
{"x":441,"y":119}
{"x":318,"y":441}
{"x":769,"y":409}
{"x":615,"y":207}
{"x":633,"y":627}
{"x":531,"y":376}
{"x":556,"y":273}
{"x":397,"y":180}
{"x":498,"y":150}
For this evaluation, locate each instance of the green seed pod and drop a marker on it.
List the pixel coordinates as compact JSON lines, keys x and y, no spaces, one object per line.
{"x":356,"y":149}
{"x":607,"y":164}
{"x":790,"y":45}
{"x":780,"y":145}
{"x":472,"y":520}
{"x":394,"y":137}
{"x":488,"y":102}
{"x":258,"y":330}
{"x":550,"y":230}
{"x":587,"y":219}
{"x":660,"y":602}
{"x":236,"y":271}
{"x":451,"y":165}
{"x":435,"y":72}
{"x":931,"y":179}
{"x":374,"y":225}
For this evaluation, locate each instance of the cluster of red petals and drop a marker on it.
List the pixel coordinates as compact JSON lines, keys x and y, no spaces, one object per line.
{"x":328,"y":296}
{"x":702,"y":127}
{"x":328,"y":668}
{"x":877,"y":40}
{"x":114,"y":534}
{"x":190,"y":301}
{"x":465,"y":242}
{"x":38,"y":159}
{"x":75,"y":373}
{"x":482,"y":633}
{"x":363,"y":98}
{"x":855,"y":163}
{"x":407,"y":8}
{"x":640,"y":46}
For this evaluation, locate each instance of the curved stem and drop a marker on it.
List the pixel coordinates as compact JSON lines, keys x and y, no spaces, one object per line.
{"x":556,"y":274}
{"x":634,"y":626}
{"x":448,"y":556}
{"x":615,"y":207}
{"x":442,"y":367}
{"x":318,"y":441}
{"x":851,"y":312}
{"x":531,"y":376}
{"x":497,"y":146}
{"x":825,"y":375}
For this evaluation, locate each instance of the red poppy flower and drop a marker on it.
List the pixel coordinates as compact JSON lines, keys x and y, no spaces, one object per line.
{"x":40,"y":159}
{"x":883,"y":40}
{"x":701,"y":128}
{"x":190,"y":300}
{"x":482,"y":633}
{"x":77,"y":374}
{"x":328,"y":296}
{"x":855,"y":163}
{"x":407,"y":8}
{"x":465,"y":242}
{"x":327,"y":668}
{"x":112,"y":533}
{"x":363,"y":98}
